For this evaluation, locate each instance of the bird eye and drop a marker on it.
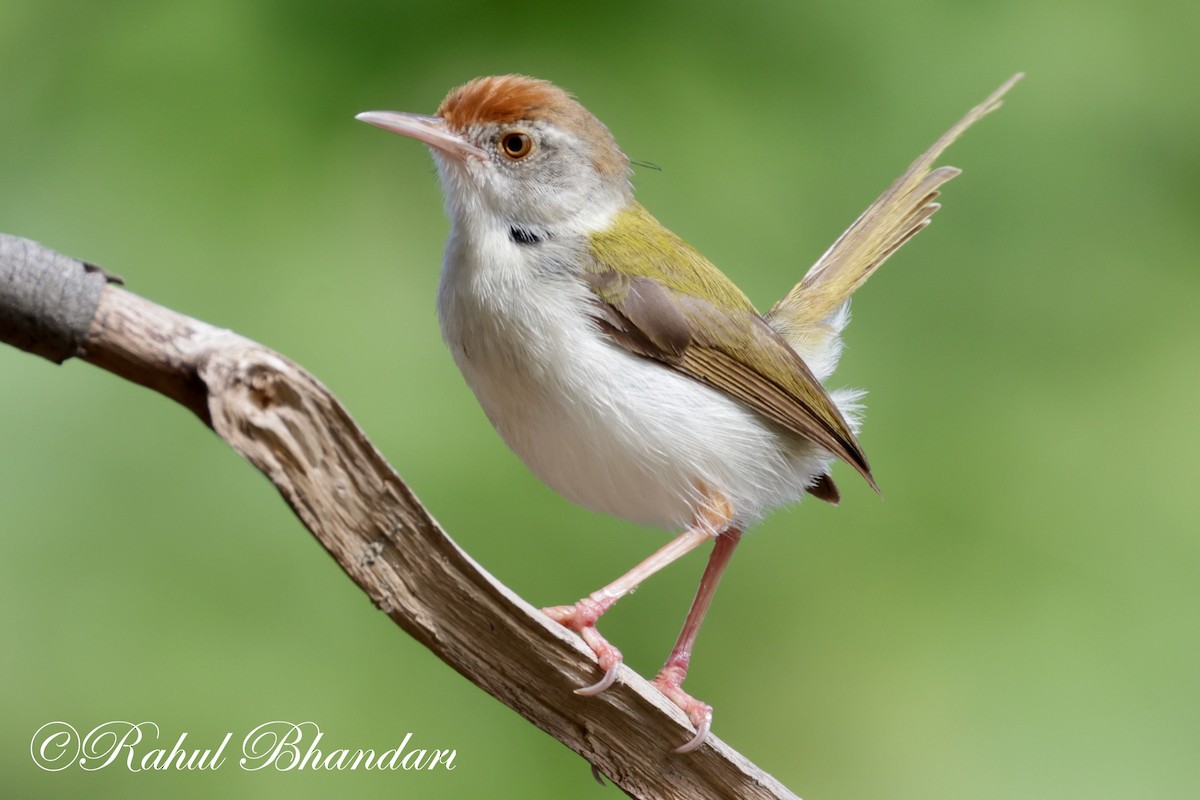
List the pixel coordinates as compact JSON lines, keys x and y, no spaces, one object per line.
{"x":516,"y":145}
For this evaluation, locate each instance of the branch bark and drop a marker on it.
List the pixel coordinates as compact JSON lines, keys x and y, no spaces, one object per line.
{"x":289,"y":426}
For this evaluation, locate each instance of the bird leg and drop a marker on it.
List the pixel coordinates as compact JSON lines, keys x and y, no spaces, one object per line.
{"x":714,"y":514}
{"x":670,"y":678}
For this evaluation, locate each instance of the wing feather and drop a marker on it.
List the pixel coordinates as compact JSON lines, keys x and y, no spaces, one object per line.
{"x":729,"y":349}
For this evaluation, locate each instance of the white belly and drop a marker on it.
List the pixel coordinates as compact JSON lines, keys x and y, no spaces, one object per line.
{"x":607,"y":429}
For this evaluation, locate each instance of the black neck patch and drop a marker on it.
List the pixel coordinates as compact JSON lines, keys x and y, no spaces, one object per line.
{"x":524,"y":236}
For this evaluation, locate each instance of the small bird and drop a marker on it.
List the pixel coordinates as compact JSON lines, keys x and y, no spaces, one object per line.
{"x":625,"y":370}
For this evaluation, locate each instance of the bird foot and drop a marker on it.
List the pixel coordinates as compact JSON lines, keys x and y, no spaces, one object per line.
{"x":669,"y":681}
{"x":581,"y":618}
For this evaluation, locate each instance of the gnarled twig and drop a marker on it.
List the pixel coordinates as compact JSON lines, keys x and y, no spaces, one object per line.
{"x":281,"y":419}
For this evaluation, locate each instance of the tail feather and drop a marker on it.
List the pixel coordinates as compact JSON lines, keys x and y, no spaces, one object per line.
{"x":814,"y":312}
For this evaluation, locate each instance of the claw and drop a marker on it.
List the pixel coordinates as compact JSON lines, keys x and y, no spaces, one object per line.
{"x":581,"y":618}
{"x":669,"y":682}
{"x":610,"y":677}
{"x":701,"y":734}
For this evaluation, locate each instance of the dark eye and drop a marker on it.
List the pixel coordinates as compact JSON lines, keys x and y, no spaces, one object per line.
{"x":516,"y":145}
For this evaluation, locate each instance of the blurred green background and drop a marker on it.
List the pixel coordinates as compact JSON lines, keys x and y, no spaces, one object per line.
{"x":1017,"y":619}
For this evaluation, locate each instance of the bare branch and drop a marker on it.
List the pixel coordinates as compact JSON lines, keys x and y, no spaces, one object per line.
{"x":282,"y":420}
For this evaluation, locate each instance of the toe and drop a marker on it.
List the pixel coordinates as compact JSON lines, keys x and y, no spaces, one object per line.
{"x":700,"y":714}
{"x":581,"y":618}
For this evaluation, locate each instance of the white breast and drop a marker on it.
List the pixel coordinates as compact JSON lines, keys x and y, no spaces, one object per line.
{"x":606,"y":429}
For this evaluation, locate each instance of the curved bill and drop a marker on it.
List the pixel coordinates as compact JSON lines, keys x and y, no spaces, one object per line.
{"x":430,"y":130}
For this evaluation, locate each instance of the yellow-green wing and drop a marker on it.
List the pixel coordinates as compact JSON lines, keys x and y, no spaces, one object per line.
{"x":897,"y":215}
{"x":669,"y":304}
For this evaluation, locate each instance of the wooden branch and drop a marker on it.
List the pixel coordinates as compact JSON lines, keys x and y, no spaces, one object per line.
{"x":282,"y":420}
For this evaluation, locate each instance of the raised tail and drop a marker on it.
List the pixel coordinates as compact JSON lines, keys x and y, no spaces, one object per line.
{"x":814,"y":312}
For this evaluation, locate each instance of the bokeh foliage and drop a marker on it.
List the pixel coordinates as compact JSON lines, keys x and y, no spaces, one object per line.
{"x":1017,"y":619}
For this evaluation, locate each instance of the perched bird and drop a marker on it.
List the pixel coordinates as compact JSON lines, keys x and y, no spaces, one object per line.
{"x":624,"y":369}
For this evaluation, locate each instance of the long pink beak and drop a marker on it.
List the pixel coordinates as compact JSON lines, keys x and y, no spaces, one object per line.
{"x":430,"y":130}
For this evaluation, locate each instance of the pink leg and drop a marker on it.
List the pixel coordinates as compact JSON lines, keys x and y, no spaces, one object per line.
{"x":670,"y":679}
{"x":713,"y":515}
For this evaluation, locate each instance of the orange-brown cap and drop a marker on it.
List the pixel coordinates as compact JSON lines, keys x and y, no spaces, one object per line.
{"x":507,"y":99}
